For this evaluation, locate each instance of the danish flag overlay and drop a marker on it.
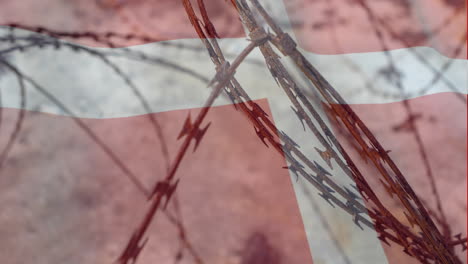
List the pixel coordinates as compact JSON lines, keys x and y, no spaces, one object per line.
{"x":98,"y":97}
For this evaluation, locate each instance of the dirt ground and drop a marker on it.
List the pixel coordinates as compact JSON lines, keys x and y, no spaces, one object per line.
{"x":64,"y":200}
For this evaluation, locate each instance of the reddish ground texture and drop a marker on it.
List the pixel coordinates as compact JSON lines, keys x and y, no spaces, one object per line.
{"x":65,"y":201}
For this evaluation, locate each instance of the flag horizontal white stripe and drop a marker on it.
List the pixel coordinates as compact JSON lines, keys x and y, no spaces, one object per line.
{"x":92,"y":89}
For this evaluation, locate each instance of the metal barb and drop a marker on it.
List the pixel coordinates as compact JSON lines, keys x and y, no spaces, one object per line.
{"x":198,"y":135}
{"x":326,"y":156}
{"x":301,"y":118}
{"x":132,"y":251}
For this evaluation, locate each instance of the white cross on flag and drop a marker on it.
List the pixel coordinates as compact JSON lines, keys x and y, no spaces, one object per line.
{"x":99,"y":97}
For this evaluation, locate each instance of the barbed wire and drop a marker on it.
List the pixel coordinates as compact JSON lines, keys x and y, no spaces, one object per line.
{"x":428,"y":246}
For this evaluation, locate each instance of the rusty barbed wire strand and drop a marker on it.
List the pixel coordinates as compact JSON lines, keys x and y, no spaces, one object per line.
{"x":349,"y":200}
{"x":350,"y":120}
{"x":263,"y":133}
{"x":167,"y":187}
{"x":410,"y":125}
